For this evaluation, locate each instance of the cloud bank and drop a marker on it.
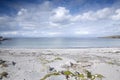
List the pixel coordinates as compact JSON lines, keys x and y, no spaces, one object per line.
{"x":44,"y":20}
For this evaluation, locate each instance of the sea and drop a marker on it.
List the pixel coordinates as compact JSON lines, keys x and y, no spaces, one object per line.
{"x":55,"y":42}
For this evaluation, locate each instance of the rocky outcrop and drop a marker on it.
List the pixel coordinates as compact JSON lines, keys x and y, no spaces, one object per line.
{"x":1,"y":38}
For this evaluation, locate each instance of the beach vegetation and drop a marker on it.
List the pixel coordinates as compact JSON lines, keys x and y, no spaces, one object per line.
{"x":45,"y":61}
{"x":50,"y":74}
{"x":110,"y":63}
{"x":4,"y":65}
{"x":58,"y":58}
{"x":89,"y":74}
{"x":3,"y":74}
{"x":2,"y":61}
{"x":77,"y":76}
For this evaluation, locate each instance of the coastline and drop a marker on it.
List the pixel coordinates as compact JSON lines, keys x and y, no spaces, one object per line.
{"x":36,"y":63}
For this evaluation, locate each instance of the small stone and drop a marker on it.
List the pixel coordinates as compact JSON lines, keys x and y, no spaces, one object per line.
{"x":13,"y":63}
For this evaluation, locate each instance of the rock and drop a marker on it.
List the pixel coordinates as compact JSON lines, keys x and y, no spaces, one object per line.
{"x":51,"y":68}
{"x":1,"y":38}
{"x":13,"y":63}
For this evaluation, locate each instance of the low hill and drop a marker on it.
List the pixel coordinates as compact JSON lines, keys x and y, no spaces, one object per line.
{"x":114,"y":36}
{"x":2,"y":38}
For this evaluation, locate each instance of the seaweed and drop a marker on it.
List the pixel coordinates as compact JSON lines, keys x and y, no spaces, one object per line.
{"x":2,"y":61}
{"x":3,"y":74}
{"x":77,"y":75}
{"x":45,"y":61}
{"x":89,"y":74}
{"x":50,"y":74}
{"x":58,"y":58}
{"x":4,"y":65}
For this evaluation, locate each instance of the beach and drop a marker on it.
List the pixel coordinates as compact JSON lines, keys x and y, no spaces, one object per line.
{"x":60,"y":64}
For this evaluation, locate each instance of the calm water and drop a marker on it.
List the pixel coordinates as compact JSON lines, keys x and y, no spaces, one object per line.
{"x":59,"y":43}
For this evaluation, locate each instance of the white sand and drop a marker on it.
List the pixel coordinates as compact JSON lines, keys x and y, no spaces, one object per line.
{"x":33,"y":64}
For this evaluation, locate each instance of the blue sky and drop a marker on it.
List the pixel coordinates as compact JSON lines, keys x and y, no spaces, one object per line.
{"x":59,"y":18}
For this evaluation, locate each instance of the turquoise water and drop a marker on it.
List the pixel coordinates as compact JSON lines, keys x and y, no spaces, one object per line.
{"x":59,"y":43}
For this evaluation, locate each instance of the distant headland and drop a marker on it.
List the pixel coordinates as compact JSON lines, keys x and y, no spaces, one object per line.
{"x":113,"y":36}
{"x":2,"y":38}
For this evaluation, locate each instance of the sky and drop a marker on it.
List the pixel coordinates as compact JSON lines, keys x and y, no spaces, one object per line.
{"x":59,"y":18}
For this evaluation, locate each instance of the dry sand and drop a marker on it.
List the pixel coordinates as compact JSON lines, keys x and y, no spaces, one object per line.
{"x":34,"y":64}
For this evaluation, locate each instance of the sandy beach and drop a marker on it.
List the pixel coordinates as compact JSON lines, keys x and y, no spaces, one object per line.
{"x":60,"y":64}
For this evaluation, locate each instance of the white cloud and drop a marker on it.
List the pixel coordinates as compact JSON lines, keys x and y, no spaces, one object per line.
{"x":7,"y":23}
{"x":51,"y":33}
{"x":10,"y":33}
{"x":104,"y":13}
{"x":82,"y":32}
{"x":116,"y":16}
{"x":84,"y":16}
{"x":44,"y":20}
{"x":22,"y":12}
{"x":34,"y":17}
{"x":60,"y":15}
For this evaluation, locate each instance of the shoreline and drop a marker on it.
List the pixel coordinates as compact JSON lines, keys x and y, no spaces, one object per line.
{"x":66,"y":48}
